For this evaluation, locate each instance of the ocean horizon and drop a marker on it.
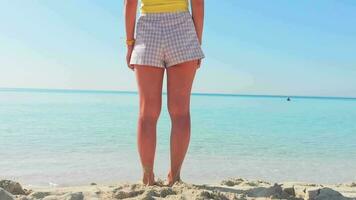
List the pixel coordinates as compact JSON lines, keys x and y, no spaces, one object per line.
{"x":73,"y":137}
{"x":6,"y":89}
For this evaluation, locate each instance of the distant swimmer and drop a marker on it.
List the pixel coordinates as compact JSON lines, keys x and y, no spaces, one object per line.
{"x":288,"y":99}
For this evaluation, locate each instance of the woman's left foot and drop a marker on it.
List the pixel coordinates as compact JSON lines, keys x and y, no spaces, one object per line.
{"x":172,"y":180}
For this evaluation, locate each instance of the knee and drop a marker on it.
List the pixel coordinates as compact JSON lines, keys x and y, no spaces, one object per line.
{"x":149,"y":114}
{"x":179,"y":111}
{"x":150,"y":109}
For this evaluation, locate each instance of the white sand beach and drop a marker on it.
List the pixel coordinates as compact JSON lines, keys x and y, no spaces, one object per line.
{"x":231,"y":189}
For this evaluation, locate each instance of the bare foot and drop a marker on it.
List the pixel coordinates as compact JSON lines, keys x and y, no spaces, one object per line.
{"x":171,"y":180}
{"x":148,"y":179}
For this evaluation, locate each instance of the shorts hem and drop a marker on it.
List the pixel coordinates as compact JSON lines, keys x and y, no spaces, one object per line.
{"x":148,"y":64}
{"x":185,"y":60}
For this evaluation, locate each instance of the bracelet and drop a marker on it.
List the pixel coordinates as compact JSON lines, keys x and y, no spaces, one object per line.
{"x":130,"y":42}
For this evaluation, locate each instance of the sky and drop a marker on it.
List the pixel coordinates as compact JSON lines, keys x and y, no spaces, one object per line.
{"x":278,"y":47}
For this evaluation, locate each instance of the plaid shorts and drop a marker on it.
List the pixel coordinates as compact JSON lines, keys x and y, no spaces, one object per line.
{"x":165,"y":39}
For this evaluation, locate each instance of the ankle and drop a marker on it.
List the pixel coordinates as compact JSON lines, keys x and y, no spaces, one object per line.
{"x":148,"y":175}
{"x":147,"y":169}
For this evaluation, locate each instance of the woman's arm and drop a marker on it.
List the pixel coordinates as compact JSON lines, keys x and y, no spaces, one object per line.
{"x":130,"y":18}
{"x":198,"y":16}
{"x":130,"y":9}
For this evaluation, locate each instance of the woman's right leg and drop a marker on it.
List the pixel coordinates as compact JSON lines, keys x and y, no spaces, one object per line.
{"x":149,"y":80}
{"x":179,"y":84}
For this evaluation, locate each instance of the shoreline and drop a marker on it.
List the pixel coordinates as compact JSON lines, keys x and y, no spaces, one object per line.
{"x":233,"y":188}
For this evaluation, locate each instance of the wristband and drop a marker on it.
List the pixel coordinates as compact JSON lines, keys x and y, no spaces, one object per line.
{"x":130,"y":42}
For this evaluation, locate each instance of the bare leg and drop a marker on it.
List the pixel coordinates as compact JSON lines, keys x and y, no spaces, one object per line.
{"x":149,"y":81}
{"x":179,"y":83}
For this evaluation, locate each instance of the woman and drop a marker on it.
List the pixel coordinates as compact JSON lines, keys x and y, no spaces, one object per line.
{"x":168,"y":38}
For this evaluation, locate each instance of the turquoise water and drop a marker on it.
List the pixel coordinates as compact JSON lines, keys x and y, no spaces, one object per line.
{"x":70,"y":138}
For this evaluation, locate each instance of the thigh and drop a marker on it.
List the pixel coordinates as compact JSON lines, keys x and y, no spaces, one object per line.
{"x":149,"y":81}
{"x":180,"y":79}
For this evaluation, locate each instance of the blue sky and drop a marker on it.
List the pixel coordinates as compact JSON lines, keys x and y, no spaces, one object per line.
{"x":252,"y":47}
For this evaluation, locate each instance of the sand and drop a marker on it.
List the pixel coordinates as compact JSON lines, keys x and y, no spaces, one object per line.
{"x":236,"y":188}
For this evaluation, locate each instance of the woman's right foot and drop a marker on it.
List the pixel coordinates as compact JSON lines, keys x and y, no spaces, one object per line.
{"x":148,"y":179}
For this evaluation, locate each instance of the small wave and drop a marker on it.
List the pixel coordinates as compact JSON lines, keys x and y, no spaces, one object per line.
{"x":52,"y":184}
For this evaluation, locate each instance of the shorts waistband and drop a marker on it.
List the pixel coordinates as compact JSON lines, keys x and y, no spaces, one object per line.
{"x":165,"y":15}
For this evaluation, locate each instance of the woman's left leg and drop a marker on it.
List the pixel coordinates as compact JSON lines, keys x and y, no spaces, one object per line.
{"x":179,"y":84}
{"x":149,"y":81}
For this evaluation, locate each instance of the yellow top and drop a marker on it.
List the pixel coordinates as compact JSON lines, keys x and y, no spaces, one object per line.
{"x":159,"y":6}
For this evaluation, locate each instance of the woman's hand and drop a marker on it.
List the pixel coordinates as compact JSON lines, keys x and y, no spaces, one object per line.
{"x":128,"y":57}
{"x":199,"y":63}
{"x":198,"y":19}
{"x":130,"y":8}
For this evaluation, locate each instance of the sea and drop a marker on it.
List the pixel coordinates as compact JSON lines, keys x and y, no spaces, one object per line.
{"x":75,"y":137}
